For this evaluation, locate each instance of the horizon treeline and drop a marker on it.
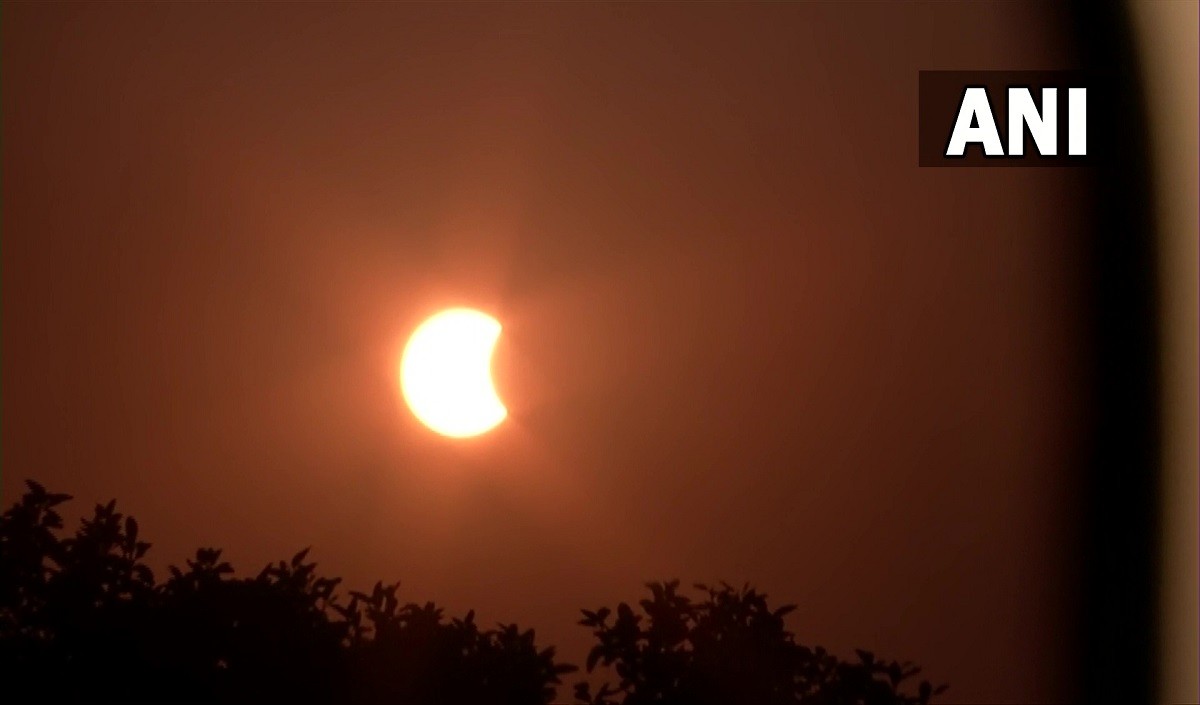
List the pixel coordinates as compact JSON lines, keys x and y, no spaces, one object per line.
{"x":83,"y":619}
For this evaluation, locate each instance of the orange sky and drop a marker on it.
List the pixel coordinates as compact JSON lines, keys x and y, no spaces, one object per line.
{"x":746,"y":337}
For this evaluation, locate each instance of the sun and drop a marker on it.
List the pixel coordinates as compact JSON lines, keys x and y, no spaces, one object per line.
{"x":445,"y":373}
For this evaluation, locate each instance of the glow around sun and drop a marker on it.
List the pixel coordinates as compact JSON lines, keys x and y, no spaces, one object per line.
{"x":445,"y":373}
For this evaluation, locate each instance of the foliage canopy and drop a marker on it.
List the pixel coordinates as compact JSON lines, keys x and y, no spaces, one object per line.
{"x":83,"y":619}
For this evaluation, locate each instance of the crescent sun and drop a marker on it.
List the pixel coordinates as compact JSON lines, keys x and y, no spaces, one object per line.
{"x":445,"y":373}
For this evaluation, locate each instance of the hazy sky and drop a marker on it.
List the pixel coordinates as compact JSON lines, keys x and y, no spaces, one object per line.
{"x":746,"y":337}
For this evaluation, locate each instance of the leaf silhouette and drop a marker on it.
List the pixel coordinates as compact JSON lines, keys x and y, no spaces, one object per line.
{"x":82,"y":619}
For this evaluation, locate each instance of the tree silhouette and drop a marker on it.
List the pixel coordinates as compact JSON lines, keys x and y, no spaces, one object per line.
{"x":83,"y":620}
{"x":729,"y":647}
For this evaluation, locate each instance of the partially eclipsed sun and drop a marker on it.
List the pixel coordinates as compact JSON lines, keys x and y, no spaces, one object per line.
{"x":445,"y":373}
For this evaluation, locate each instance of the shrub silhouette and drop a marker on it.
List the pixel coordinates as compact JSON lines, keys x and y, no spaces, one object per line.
{"x":729,"y":647}
{"x":84,"y":620}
